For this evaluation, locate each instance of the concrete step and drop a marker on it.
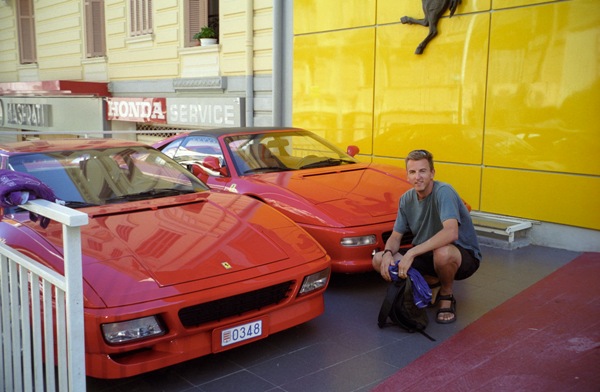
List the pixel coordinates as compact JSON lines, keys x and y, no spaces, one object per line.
{"x":500,"y":231}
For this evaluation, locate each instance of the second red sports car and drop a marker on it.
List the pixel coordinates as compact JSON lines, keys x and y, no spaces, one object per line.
{"x":348,"y":206}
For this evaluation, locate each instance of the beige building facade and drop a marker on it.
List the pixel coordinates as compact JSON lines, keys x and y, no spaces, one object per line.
{"x":143,"y":51}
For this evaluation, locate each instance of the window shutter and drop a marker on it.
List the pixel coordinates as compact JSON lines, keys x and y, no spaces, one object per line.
{"x":94,"y":28}
{"x":26,"y":23}
{"x":141,"y":17}
{"x":197,"y":16}
{"x":133,"y":8}
{"x":149,"y":21}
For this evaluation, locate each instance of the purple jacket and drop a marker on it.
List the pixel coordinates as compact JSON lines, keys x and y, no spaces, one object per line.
{"x":421,"y":290}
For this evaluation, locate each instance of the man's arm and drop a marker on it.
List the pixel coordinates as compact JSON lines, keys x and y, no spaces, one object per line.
{"x":446,"y":236}
{"x":383,"y":259}
{"x":393,"y":243}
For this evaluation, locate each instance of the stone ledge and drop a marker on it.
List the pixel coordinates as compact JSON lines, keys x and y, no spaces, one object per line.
{"x":210,"y":83}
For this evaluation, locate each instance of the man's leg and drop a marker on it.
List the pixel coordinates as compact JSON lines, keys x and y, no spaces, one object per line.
{"x":377,"y":260}
{"x":446,"y":261}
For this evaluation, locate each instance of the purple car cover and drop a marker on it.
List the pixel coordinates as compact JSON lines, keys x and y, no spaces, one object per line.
{"x":17,"y":188}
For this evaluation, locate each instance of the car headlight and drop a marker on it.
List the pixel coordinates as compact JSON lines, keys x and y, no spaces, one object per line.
{"x":314,"y":282}
{"x":126,"y":331}
{"x":358,"y":241}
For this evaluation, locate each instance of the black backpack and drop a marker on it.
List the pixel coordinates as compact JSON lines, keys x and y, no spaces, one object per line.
{"x":399,"y":306}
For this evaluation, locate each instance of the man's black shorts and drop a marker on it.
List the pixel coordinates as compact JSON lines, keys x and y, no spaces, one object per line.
{"x":468,"y":265}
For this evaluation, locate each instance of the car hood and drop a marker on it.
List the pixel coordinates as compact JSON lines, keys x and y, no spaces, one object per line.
{"x":355,"y":195}
{"x":196,"y":244}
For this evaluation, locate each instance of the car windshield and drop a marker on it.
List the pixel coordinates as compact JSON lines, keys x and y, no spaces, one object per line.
{"x":281,"y":151}
{"x":102,"y":176}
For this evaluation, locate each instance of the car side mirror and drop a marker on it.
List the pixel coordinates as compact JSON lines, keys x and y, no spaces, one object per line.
{"x":213,"y":163}
{"x":352,"y":150}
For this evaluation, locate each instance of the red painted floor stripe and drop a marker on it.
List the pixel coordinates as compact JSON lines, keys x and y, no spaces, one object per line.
{"x":546,"y":338}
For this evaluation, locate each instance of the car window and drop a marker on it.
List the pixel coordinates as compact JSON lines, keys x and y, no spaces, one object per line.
{"x":171,"y":148}
{"x":102,"y":176}
{"x":50,"y":171}
{"x":199,"y":147}
{"x":194,"y":149}
{"x":254,"y":153}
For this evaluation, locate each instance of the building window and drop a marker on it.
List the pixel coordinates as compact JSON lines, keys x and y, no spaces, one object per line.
{"x":141,"y":17}
{"x":94,"y":28}
{"x":26,"y":27}
{"x":200,"y":13}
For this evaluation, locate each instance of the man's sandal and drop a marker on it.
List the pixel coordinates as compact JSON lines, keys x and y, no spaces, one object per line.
{"x":451,"y":309}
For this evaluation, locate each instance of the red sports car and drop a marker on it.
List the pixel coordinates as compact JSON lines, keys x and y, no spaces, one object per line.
{"x":348,"y":206}
{"x":171,"y":269}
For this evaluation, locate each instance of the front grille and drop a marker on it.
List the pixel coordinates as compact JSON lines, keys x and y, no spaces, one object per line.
{"x":234,"y":306}
{"x":406,"y":238}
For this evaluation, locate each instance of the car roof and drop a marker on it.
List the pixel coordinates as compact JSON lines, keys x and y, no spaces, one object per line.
{"x":64,"y":144}
{"x":216,"y":132}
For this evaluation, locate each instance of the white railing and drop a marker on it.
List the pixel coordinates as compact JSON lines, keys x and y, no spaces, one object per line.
{"x":42,"y":345}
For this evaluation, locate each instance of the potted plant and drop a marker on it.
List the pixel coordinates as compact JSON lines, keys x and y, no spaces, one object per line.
{"x":206,"y":36}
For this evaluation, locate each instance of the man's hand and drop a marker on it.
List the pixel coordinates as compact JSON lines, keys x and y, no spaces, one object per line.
{"x":386,"y":257}
{"x":404,"y":264}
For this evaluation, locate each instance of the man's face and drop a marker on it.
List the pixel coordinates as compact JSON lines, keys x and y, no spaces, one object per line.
{"x":420,"y":175}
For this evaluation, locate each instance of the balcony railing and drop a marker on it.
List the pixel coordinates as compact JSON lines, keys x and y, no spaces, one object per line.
{"x":41,"y":325}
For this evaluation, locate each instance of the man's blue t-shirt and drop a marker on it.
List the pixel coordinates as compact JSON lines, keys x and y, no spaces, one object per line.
{"x":424,"y":217}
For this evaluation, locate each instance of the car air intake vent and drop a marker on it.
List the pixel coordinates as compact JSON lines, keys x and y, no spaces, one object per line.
{"x":406,"y":238}
{"x":233,"y":306}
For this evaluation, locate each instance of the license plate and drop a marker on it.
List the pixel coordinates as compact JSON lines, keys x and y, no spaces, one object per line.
{"x":240,"y":333}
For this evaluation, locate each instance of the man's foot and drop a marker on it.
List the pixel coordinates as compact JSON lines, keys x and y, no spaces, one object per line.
{"x":447,"y":311}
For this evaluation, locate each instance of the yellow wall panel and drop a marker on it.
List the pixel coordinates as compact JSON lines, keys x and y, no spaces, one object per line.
{"x":552,"y":197}
{"x":465,"y":179}
{"x":436,"y":100}
{"x":311,"y":15}
{"x":500,"y":4}
{"x":390,"y":161}
{"x":333,"y":85}
{"x":543,"y":91}
{"x":390,"y":11}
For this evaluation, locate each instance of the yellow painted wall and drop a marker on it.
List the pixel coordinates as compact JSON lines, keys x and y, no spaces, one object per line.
{"x":59,"y":39}
{"x":507,"y":97}
{"x":232,"y":25}
{"x":333,"y":84}
{"x":544,"y":89}
{"x":314,"y":16}
{"x":9,"y":56}
{"x":144,"y":57}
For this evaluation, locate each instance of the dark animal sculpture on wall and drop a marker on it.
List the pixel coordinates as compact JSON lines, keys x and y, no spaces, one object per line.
{"x":433,"y":9}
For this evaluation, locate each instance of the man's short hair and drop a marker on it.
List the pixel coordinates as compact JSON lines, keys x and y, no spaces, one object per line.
{"x":417,"y":155}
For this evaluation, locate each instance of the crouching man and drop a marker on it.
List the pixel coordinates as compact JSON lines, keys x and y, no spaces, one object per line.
{"x":445,"y":246}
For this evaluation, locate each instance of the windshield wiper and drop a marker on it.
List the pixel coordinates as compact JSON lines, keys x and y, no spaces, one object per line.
{"x":151,"y":194}
{"x":266,"y":169}
{"x":327,"y":162}
{"x":78,"y":204}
